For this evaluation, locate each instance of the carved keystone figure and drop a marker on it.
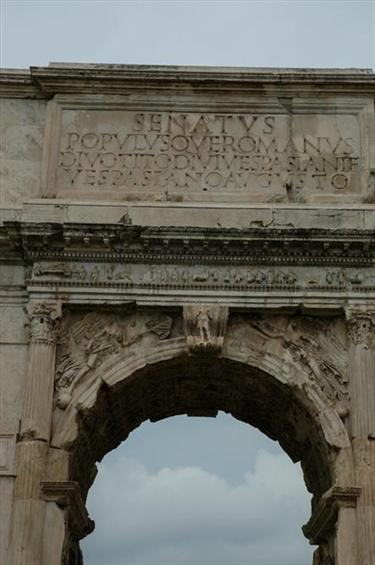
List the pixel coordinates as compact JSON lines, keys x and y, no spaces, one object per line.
{"x":205,"y":327}
{"x":203,"y":324}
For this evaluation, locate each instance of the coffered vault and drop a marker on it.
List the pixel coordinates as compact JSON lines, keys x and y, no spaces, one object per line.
{"x":183,"y":241}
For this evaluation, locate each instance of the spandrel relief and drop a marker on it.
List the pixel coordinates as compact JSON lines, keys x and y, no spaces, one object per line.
{"x":89,"y":340}
{"x":316,"y":345}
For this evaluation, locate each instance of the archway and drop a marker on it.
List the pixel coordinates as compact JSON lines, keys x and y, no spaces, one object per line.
{"x":200,"y":491}
{"x":261,"y":376}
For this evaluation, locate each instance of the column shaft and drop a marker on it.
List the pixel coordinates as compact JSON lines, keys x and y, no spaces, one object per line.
{"x":362,"y":392}
{"x":32,"y":449}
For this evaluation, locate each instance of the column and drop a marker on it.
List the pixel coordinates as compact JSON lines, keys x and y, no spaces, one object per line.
{"x":35,"y":430}
{"x":361,"y":331}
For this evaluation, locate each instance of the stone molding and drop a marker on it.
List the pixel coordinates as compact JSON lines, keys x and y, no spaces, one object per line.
{"x":67,"y":495}
{"x":324,"y":516}
{"x":203,"y":264}
{"x":59,"y":78}
{"x":51,"y":241}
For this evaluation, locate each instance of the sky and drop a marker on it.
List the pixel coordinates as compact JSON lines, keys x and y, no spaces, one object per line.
{"x":198,"y":491}
{"x":292,"y":33}
{"x":194,"y":491}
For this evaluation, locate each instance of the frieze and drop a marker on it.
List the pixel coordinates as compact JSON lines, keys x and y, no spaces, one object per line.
{"x":178,"y":276}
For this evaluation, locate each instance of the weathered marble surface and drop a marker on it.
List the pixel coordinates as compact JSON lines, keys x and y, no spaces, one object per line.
{"x":185,"y":240}
{"x":21,"y":133}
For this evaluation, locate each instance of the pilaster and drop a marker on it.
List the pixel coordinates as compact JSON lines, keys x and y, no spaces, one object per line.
{"x":361,"y":332}
{"x":35,"y":429}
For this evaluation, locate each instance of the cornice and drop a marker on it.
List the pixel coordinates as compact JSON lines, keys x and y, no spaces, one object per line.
{"x":67,"y":495}
{"x":69,"y":78}
{"x":18,"y":83}
{"x":324,"y":516}
{"x":185,"y":245}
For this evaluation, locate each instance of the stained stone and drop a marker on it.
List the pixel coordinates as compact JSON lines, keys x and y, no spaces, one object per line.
{"x":183,"y":241}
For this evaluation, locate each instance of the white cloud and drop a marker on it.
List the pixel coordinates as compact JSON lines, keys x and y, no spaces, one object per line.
{"x":189,"y":516}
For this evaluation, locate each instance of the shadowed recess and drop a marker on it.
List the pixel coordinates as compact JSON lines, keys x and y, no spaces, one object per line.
{"x":199,"y":386}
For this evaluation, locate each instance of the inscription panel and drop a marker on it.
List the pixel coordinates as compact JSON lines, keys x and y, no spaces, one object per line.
{"x":295,"y":154}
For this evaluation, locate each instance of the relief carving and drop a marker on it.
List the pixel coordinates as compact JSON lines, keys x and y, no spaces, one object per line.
{"x":160,"y":325}
{"x":191,"y":276}
{"x":54,"y":269}
{"x":336,"y":278}
{"x":205,"y":327}
{"x":92,"y":339}
{"x":369,"y":196}
{"x":316,"y":345}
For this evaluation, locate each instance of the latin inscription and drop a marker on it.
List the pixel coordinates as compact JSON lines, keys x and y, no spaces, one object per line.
{"x":270,"y":154}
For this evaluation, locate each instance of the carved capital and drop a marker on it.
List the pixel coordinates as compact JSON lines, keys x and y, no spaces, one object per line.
{"x":205,"y":326}
{"x":361,"y":327}
{"x":369,"y":195}
{"x":44,"y":318}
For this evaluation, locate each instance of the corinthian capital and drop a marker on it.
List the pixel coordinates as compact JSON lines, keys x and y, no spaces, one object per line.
{"x":44,"y":318}
{"x":361,"y":327}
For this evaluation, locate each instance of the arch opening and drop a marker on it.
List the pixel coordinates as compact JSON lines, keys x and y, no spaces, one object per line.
{"x":198,"y":490}
{"x":199,"y":386}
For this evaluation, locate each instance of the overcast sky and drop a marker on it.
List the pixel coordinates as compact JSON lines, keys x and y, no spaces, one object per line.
{"x":208,"y":32}
{"x":194,"y":491}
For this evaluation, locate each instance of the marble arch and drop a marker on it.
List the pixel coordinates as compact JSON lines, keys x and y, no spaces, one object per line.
{"x":185,"y":241}
{"x":153,"y":377}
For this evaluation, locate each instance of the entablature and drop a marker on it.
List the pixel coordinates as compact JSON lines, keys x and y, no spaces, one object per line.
{"x":187,"y":245}
{"x":169,"y":265}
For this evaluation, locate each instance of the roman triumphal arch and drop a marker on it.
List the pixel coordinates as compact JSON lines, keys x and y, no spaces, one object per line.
{"x":183,"y":241}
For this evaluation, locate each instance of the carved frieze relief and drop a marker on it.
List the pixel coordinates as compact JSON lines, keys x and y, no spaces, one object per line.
{"x":188,"y":276}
